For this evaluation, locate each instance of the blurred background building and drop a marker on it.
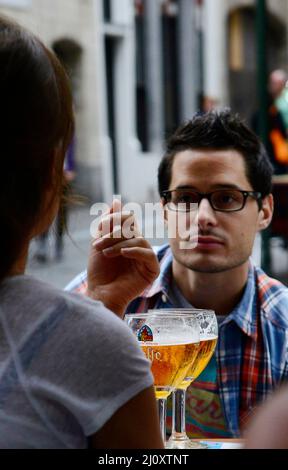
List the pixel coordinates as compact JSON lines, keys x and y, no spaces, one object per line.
{"x":139,"y":67}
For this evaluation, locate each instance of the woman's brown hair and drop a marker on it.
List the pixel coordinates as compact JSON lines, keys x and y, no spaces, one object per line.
{"x":36,"y":127}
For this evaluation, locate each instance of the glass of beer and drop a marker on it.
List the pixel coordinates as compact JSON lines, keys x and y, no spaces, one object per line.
{"x":208,"y":338}
{"x":170,"y":341}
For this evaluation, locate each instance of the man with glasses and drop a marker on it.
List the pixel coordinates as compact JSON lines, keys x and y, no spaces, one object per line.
{"x":217,"y":163}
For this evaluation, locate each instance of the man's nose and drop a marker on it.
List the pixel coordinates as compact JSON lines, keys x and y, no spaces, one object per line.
{"x":206,"y":216}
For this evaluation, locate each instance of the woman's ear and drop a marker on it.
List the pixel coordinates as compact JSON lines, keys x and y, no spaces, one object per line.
{"x":266,"y":212}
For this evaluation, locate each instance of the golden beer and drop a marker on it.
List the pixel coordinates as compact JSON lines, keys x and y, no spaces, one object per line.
{"x":170,"y":363}
{"x":203,"y":356}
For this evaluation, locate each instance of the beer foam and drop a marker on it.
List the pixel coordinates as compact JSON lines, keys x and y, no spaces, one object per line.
{"x":168,"y":340}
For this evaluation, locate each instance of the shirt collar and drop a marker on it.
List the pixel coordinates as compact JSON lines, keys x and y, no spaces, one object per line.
{"x":245,"y":312}
{"x":161,"y":284}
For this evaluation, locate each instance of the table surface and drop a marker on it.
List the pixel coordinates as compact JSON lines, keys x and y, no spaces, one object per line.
{"x":220,"y":440}
{"x":222,"y":443}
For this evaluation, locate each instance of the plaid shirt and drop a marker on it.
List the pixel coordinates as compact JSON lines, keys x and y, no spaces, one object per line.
{"x":252,"y":348}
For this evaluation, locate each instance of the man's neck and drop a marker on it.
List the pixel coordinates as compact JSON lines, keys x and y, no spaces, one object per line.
{"x":217,"y":291}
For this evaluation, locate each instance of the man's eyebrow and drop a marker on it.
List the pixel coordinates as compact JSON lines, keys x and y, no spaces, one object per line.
{"x":226,"y":186}
{"x":215,"y":186}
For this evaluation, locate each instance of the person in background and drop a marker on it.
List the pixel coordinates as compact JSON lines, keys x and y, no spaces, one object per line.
{"x":279,"y":92}
{"x":62,"y":216}
{"x":72,"y":373}
{"x":276,"y":145}
{"x":209,"y":103}
{"x":60,"y":222}
{"x":214,"y":160}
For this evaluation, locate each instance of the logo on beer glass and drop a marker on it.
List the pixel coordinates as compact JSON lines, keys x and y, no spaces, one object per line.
{"x":145,"y":333}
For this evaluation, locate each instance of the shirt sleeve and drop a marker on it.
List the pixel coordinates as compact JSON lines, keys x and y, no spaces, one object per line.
{"x":93,"y":364}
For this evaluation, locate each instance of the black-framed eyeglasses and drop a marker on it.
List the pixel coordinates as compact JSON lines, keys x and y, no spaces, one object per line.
{"x":222,"y":200}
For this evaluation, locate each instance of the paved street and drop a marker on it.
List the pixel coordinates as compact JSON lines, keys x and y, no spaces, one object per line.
{"x":75,"y":253}
{"x":77,"y":249}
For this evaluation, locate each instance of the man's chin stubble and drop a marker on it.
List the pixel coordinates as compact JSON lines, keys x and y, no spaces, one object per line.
{"x":211,"y":269}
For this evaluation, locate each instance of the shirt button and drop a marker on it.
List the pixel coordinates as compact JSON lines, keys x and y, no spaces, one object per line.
{"x":164,"y":298}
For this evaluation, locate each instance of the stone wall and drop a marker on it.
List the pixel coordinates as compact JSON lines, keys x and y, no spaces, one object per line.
{"x":74,"y":20}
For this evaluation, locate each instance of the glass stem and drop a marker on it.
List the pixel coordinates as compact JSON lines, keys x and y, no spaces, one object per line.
{"x":162,"y":410}
{"x":178,"y":415}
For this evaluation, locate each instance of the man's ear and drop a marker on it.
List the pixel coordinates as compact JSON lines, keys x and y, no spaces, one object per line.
{"x":266,"y":212}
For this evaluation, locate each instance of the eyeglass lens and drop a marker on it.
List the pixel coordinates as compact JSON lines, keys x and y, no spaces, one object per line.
{"x":225,"y":200}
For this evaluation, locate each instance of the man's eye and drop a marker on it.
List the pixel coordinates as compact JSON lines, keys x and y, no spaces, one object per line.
{"x":183,"y":198}
{"x":226,"y":198}
{"x":186,"y":198}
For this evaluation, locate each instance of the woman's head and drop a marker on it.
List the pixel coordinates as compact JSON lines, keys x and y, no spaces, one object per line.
{"x":36,"y":127}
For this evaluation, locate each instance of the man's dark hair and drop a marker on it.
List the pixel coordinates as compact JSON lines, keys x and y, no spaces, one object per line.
{"x":219,"y":130}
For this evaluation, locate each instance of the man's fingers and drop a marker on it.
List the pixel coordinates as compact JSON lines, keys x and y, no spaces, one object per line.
{"x":111,"y":221}
{"x":116,"y":205}
{"x":145,"y":255}
{"x":113,"y":246}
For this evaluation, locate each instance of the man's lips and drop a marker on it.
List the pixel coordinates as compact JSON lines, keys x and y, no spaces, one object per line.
{"x":206,"y":241}
{"x":209,"y":240}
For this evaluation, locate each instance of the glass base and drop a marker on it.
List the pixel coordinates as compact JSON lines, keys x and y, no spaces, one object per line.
{"x":185,"y":443}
